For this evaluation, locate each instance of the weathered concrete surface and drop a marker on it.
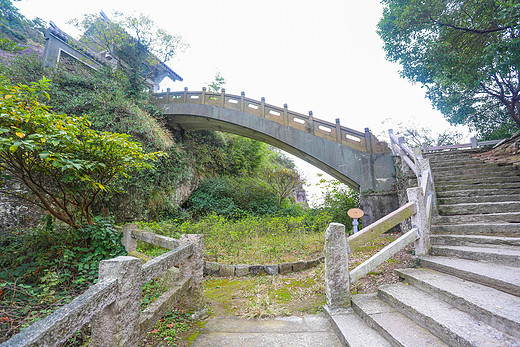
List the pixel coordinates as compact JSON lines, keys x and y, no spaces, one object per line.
{"x":504,"y":278}
{"x":391,"y":324}
{"x":337,"y":280}
{"x":489,"y":305}
{"x":376,"y":206}
{"x":455,"y":327}
{"x":359,"y":170}
{"x":353,"y":331}
{"x":309,"y":330}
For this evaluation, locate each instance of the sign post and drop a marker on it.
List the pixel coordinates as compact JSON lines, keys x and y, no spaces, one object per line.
{"x":355,"y":214}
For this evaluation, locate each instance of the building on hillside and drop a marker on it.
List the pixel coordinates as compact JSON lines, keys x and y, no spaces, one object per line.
{"x":61,"y":48}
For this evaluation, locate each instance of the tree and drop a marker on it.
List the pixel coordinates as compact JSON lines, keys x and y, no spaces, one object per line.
{"x":64,"y":164}
{"x":135,"y":41}
{"x":283,"y":181}
{"x":217,"y":83}
{"x":466,"y":53}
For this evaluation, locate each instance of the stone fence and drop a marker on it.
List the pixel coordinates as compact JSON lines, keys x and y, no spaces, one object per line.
{"x":225,"y":270}
{"x":113,"y":304}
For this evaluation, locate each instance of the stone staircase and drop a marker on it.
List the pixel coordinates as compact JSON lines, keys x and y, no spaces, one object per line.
{"x":467,"y":291}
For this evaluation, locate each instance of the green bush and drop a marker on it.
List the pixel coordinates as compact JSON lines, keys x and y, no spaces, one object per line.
{"x":232,"y":198}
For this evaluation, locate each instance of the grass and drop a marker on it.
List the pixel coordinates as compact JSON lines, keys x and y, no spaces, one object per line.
{"x":297,"y":293}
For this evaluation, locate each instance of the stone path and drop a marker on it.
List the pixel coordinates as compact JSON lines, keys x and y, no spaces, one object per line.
{"x":309,"y":330}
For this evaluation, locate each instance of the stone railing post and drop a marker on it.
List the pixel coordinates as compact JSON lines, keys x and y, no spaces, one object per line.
{"x":223,"y":96}
{"x":420,"y":220}
{"x":128,"y":240}
{"x":285,"y":115}
{"x":185,"y":94}
{"x":118,"y":324}
{"x":311,"y":123}
{"x":338,"y":131}
{"x":242,"y":101}
{"x":194,"y":267}
{"x":262,"y":107}
{"x":337,"y":279}
{"x":203,"y":96}
{"x":368,"y":140}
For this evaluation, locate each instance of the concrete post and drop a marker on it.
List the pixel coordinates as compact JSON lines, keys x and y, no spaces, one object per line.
{"x":338,"y":131}
{"x":337,"y":279}
{"x":424,"y":165}
{"x":118,"y":324}
{"x":368,"y":140}
{"x":194,"y":267}
{"x":242,"y":101}
{"x":203,"y":96}
{"x":420,"y":220}
{"x":311,"y":123}
{"x":262,"y":107}
{"x":223,"y":96}
{"x":128,"y":239}
{"x":285,"y":115}
{"x":473,"y":142}
{"x":185,"y":95}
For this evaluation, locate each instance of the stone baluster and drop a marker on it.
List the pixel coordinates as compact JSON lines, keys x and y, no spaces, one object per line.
{"x":285,"y":115}
{"x":338,"y":131}
{"x":194,"y":267}
{"x":118,"y":324}
{"x":337,"y":279}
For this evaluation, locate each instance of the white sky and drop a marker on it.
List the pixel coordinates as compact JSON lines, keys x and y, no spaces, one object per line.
{"x":322,"y":56}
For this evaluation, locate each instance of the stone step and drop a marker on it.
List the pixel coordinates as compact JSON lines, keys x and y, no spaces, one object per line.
{"x":476,"y":192}
{"x":483,"y":172}
{"x":479,"y":208}
{"x":457,"y":187}
{"x":391,"y":324}
{"x":474,"y":240}
{"x":352,"y":331}
{"x":459,"y":165}
{"x":506,"y":217}
{"x":453,"y":326}
{"x":498,"y":229}
{"x":502,"y":175}
{"x":504,"y":255}
{"x":497,"y":309}
{"x":474,"y":199}
{"x":477,"y":181}
{"x":503,"y":278}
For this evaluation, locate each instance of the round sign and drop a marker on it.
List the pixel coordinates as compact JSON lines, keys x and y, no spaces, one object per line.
{"x":355,"y":213}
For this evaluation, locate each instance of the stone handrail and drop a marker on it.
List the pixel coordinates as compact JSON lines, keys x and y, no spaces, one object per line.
{"x":113,"y":305}
{"x":58,"y":327}
{"x":365,"y":142}
{"x":420,"y":208}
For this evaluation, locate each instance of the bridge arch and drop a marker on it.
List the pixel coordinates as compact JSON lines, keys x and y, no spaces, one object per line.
{"x":354,"y":158}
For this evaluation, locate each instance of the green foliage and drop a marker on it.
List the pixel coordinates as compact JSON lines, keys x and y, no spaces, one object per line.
{"x":64,"y":164}
{"x":217,"y":84}
{"x":283,"y":181}
{"x":139,"y":45}
{"x":232,"y":198}
{"x":467,"y":54}
{"x":336,"y":201}
{"x":257,"y":239}
{"x":46,"y":267}
{"x":16,"y":30}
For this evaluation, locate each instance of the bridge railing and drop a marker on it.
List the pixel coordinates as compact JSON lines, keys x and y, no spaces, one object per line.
{"x":113,"y":304}
{"x":365,"y":142}
{"x":420,"y":208}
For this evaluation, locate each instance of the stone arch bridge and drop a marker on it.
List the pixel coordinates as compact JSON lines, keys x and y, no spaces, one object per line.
{"x":355,"y":158}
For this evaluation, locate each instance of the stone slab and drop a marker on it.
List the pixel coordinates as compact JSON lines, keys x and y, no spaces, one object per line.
{"x":492,"y":306}
{"x":294,"y":331}
{"x":442,"y":319}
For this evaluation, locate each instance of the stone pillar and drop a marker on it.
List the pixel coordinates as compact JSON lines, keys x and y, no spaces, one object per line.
{"x":337,"y":278}
{"x":194,"y":267}
{"x":420,"y":220}
{"x":128,"y":239}
{"x":118,"y":324}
